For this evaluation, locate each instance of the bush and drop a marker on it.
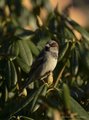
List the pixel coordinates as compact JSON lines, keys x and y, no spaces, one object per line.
{"x":67,"y":97}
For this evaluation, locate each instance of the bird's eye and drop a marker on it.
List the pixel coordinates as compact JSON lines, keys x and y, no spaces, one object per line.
{"x":53,"y":44}
{"x":46,"y":48}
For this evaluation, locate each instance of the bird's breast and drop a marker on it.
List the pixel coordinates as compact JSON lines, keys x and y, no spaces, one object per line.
{"x":49,"y":65}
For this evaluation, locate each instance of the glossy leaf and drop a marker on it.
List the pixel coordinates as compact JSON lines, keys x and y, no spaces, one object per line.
{"x":79,"y":110}
{"x":23,"y":33}
{"x":64,"y":50}
{"x":21,"y":40}
{"x":80,"y":29}
{"x":33,"y":48}
{"x":11,"y":75}
{"x":6,"y":94}
{"x":17,"y":105}
{"x":8,"y":74}
{"x":14,"y":49}
{"x":74,"y":61}
{"x":23,"y":65}
{"x":84,"y":53}
{"x":25,"y":52}
{"x":26,"y":118}
{"x":38,"y":93}
{"x":43,"y":93}
{"x":66,"y":98}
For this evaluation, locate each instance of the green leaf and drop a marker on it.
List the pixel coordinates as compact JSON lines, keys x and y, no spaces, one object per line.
{"x":63,"y":52}
{"x":74,"y":61}
{"x":44,"y":89}
{"x":38,"y":93}
{"x":25,"y":52}
{"x":26,"y":118}
{"x":42,"y":93}
{"x":42,"y":42}
{"x":6,"y":94}
{"x":86,"y":59}
{"x":79,"y":110}
{"x":8,"y":74}
{"x":80,"y":29}
{"x":24,"y":103}
{"x":84,"y":53}
{"x":17,"y":105}
{"x":68,"y":33}
{"x":66,"y":97}
{"x":11,"y":75}
{"x":23,"y":65}
{"x":14,"y":49}
{"x":23,"y":33}
{"x":33,"y":48}
{"x":53,"y":98}
{"x":75,"y":107}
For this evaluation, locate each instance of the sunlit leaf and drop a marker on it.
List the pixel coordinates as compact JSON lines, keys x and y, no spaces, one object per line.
{"x":80,"y":29}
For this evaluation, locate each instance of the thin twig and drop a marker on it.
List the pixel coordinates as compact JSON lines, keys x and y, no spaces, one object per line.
{"x":60,"y":74}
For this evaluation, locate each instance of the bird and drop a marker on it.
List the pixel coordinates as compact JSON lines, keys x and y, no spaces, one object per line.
{"x":44,"y":63}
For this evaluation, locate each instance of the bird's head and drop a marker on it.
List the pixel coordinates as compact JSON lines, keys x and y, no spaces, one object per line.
{"x":52,"y":46}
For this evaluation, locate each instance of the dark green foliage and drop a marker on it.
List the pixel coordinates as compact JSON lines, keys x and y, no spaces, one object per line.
{"x":68,"y":96}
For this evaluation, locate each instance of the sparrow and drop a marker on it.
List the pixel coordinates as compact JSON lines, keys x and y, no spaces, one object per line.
{"x":44,"y":63}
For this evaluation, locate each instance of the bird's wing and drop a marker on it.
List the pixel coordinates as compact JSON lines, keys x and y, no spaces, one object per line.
{"x":39,"y":60}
